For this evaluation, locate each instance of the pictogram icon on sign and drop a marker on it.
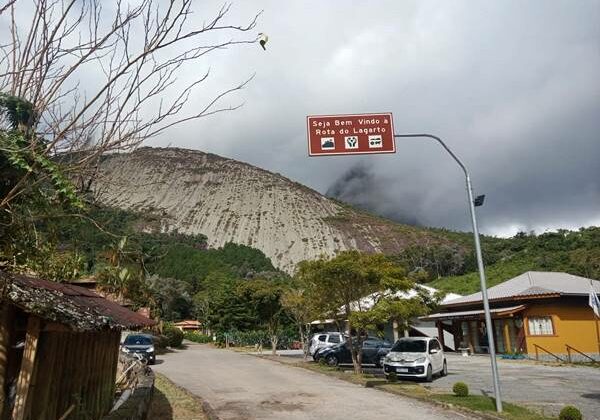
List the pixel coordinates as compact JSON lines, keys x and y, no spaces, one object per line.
{"x":375,"y":142}
{"x":351,"y":142}
{"x":327,"y":143}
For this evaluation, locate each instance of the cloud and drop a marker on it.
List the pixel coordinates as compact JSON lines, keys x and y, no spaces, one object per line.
{"x":511,"y":86}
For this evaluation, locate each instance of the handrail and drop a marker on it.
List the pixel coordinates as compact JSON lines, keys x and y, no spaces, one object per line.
{"x":549,"y":352}
{"x":569,"y":348}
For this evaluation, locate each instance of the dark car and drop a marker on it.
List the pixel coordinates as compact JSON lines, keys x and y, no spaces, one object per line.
{"x":140,"y":344}
{"x":374,"y":351}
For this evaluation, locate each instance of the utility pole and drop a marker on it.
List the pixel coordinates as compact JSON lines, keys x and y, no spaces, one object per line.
{"x":486,"y":304}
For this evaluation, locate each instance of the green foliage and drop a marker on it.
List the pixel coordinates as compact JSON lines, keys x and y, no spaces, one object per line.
{"x":570,"y":412}
{"x":55,"y":265}
{"x":18,"y":111}
{"x":392,"y":377}
{"x":174,"y":335}
{"x":575,"y":252}
{"x":301,"y":309}
{"x":460,"y":389}
{"x":171,"y":297}
{"x":161,"y":342}
{"x":197,"y":337}
{"x":23,"y":156}
{"x":436,"y":260}
{"x":340,"y":285}
{"x":265,"y":296}
{"x":256,"y":336}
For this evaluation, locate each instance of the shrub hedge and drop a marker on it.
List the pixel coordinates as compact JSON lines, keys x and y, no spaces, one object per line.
{"x":570,"y":412}
{"x":174,"y":335}
{"x":460,"y":389}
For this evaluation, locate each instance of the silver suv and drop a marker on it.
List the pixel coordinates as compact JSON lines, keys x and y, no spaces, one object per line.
{"x":324,"y":339}
{"x":417,"y":357}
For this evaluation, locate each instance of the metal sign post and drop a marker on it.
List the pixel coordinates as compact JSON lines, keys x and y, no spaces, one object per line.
{"x":486,"y":304}
{"x":374,"y":133}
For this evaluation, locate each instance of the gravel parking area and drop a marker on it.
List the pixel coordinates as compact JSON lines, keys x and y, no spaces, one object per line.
{"x":545,"y":387}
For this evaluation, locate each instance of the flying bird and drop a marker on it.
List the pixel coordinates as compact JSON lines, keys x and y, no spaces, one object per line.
{"x":262,"y":40}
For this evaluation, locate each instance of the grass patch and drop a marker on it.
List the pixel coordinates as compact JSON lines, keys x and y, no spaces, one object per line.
{"x":486,"y":404}
{"x":171,"y":402}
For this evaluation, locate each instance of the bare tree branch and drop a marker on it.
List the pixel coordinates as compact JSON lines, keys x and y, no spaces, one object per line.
{"x":102,"y":80}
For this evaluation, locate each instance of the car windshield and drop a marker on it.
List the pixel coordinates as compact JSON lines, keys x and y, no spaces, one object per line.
{"x":139,"y":340}
{"x":410,"y":346}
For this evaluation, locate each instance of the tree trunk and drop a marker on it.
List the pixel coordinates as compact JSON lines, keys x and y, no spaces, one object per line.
{"x":303,"y":341}
{"x":274,"y":341}
{"x":356,"y":356}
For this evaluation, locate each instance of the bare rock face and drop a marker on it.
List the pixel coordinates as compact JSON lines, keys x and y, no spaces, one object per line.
{"x":230,"y":201}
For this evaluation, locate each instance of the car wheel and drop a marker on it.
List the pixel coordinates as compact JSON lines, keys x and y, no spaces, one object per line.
{"x":429,"y":376}
{"x":444,"y":371}
{"x":331,"y":360}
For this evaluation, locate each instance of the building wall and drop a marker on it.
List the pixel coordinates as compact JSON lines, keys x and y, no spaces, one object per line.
{"x":573,"y":323}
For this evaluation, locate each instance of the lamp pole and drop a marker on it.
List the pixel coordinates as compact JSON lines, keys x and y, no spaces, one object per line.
{"x":486,"y":304}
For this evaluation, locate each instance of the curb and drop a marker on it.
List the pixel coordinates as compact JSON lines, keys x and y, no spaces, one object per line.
{"x":209,"y":411}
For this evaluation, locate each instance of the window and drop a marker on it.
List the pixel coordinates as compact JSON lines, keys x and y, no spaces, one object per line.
{"x":139,"y":340}
{"x":369,"y":344}
{"x":434,"y":345}
{"x":540,"y":325}
{"x":410,"y":346}
{"x":334,"y":338}
{"x":322,"y":338}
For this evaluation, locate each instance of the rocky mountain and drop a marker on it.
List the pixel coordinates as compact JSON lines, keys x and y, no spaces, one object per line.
{"x":231,"y":201}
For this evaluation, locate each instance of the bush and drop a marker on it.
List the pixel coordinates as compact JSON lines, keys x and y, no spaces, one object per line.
{"x":570,"y":412}
{"x":460,"y":389}
{"x":174,"y":335}
{"x":197,"y":337}
{"x":393,"y":377}
{"x":160,"y":343}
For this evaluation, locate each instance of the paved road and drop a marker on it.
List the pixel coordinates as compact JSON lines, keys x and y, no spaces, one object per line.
{"x":240,"y":386}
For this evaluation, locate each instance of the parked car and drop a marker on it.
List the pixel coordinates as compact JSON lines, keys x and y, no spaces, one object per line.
{"x":416,"y":357}
{"x":141,"y":345}
{"x":374,"y":351}
{"x":325,"y":339}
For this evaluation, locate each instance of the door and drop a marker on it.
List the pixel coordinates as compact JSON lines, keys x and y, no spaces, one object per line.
{"x":318,"y":342}
{"x":436,"y":355}
{"x":370,"y":349}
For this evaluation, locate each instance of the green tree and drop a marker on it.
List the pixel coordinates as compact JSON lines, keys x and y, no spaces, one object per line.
{"x":171,"y":298}
{"x":355,"y":285}
{"x":265,"y":297}
{"x":302,"y":310}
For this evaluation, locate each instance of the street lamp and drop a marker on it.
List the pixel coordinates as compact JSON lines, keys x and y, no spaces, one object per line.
{"x":486,"y":304}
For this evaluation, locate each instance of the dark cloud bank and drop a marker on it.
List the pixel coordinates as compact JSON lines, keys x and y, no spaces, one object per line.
{"x":512,"y":86}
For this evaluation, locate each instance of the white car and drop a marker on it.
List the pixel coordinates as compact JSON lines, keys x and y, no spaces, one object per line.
{"x":324,"y":339}
{"x":416,"y":357}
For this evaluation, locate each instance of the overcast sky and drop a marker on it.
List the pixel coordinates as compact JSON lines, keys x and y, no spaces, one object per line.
{"x":512,"y":86}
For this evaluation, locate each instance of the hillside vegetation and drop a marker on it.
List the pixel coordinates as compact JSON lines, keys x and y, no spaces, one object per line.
{"x":575,"y":252}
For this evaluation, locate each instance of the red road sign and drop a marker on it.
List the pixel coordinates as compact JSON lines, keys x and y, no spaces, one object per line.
{"x":351,"y":134}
